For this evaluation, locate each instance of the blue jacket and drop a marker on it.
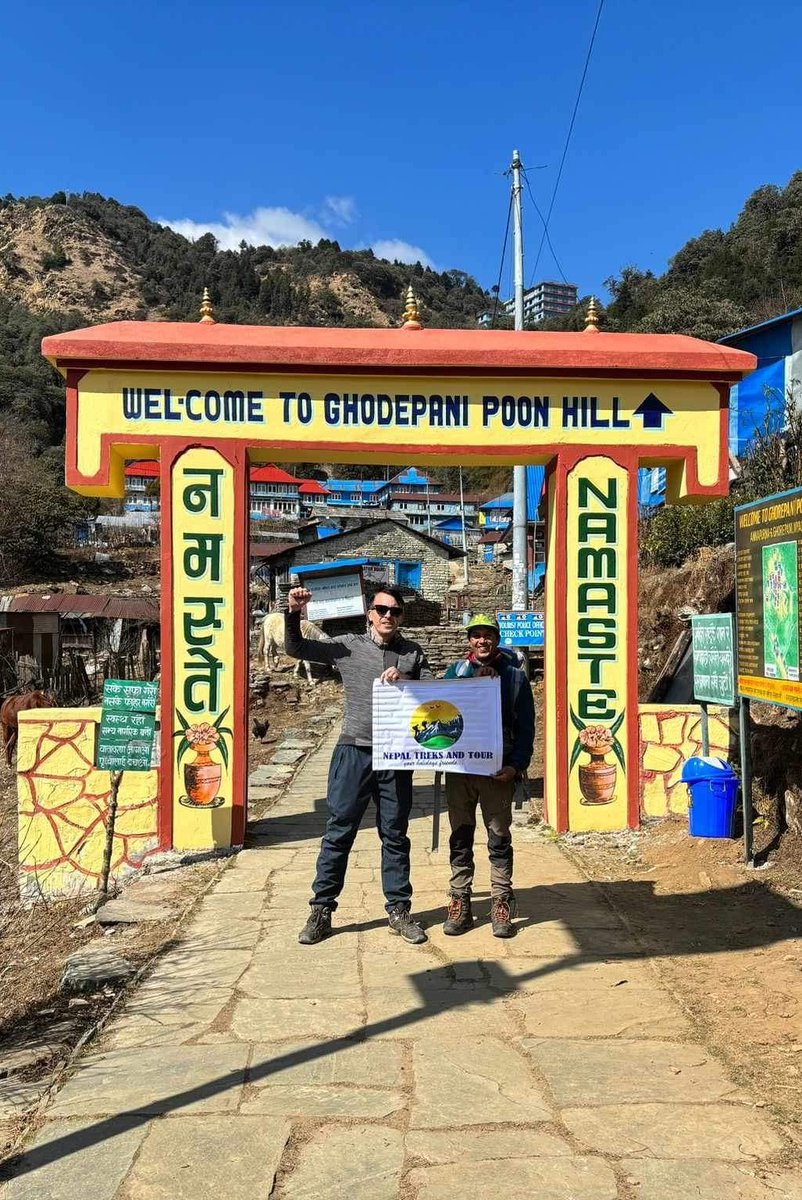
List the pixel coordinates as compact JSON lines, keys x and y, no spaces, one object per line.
{"x":517,"y":707}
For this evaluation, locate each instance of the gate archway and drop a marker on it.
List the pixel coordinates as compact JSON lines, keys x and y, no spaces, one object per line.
{"x":207,"y":400}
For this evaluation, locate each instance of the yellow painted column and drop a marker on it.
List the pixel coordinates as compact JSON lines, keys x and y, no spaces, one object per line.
{"x":207,"y":764}
{"x":599,"y":720}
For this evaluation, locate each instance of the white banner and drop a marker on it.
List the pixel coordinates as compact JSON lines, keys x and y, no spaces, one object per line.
{"x":334,"y":594}
{"x":439,"y":725}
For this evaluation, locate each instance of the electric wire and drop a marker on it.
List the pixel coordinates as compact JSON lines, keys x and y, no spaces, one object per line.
{"x":568,"y":138}
{"x":501,"y":264}
{"x":546,"y":233}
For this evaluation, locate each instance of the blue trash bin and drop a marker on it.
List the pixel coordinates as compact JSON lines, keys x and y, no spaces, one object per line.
{"x":713,"y":789}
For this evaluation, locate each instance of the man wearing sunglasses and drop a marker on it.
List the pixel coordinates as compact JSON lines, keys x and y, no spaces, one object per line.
{"x":492,"y":793}
{"x":380,"y":653}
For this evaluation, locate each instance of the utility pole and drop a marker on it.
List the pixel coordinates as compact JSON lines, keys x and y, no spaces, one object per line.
{"x":464,"y":538}
{"x":520,"y":574}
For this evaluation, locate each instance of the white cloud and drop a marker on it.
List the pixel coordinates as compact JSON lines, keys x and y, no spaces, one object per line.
{"x":341,"y":208}
{"x":262,"y":227}
{"x":283,"y":227}
{"x":405,"y":252}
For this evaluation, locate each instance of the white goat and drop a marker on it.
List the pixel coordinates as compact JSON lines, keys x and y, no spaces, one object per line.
{"x":271,"y":641}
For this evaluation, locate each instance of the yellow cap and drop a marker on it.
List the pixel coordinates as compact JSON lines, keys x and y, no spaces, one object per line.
{"x":483,"y":621}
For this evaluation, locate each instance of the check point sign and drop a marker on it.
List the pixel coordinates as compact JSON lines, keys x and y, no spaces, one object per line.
{"x":208,"y":401}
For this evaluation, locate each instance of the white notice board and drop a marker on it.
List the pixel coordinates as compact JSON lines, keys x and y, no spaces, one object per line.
{"x":438,"y":724}
{"x":335,"y":594}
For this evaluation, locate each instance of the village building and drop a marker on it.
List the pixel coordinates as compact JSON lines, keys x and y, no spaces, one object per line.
{"x":425,"y":510}
{"x":387,"y":551}
{"x":274,"y":493}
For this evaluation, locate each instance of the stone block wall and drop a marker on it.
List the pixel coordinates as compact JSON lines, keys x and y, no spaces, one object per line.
{"x":63,"y":803}
{"x":388,"y":543}
{"x":670,"y":734}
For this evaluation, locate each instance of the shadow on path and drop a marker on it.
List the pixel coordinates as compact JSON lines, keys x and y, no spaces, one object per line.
{"x":709,"y":922}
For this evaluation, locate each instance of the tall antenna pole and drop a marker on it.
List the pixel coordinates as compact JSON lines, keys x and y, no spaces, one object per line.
{"x":520,"y":581}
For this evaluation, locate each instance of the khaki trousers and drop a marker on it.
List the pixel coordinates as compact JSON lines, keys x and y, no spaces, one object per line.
{"x":463,"y":794}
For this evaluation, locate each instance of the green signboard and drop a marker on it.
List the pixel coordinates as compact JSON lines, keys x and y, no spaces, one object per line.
{"x":714,"y":659}
{"x":127,"y":725}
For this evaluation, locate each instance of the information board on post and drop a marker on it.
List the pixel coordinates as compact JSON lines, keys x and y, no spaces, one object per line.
{"x":127,"y":725}
{"x":713,"y":659}
{"x":521,"y":628}
{"x":335,"y":594}
{"x":451,"y":725}
{"x":767,"y":548}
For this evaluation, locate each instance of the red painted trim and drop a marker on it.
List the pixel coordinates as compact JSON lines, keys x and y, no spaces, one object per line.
{"x":239,"y":771}
{"x":633,"y":715}
{"x":549,"y":802}
{"x":74,"y":376}
{"x":408,"y":452}
{"x":407,"y":372}
{"x":167,"y":675}
{"x":561,"y":644}
{"x":387,"y":350}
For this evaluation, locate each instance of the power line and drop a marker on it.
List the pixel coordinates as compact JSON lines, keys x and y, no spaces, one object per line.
{"x":568,"y":137}
{"x":501,"y":264}
{"x":546,"y":233}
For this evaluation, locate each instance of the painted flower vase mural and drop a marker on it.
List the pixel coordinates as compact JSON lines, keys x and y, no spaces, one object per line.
{"x":597,"y":778}
{"x":203,"y":774}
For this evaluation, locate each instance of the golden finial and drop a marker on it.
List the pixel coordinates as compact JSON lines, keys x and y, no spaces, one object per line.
{"x":592,"y":317}
{"x":411,"y":316}
{"x":206,"y":310}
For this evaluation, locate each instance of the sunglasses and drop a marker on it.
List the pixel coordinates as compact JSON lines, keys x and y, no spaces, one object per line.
{"x":384,"y":609}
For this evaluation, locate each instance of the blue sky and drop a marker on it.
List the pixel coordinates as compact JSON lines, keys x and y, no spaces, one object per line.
{"x":391,"y":124}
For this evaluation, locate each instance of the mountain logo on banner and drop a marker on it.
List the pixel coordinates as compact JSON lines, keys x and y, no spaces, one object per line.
{"x":436,"y":725}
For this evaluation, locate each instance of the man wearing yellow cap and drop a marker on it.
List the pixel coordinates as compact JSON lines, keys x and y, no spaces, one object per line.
{"x":492,"y":793}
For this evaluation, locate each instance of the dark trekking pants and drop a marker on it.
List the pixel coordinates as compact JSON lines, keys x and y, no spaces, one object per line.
{"x":463,"y":793}
{"x":352,"y":785}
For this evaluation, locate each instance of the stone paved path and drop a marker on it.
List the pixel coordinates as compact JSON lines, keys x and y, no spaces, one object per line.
{"x":553,"y":1066}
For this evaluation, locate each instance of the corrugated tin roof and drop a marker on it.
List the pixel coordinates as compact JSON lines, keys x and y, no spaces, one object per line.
{"x":271,"y":549}
{"x":131,"y":608}
{"x":271,"y":474}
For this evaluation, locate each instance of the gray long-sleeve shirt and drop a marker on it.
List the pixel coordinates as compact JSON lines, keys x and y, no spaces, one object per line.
{"x":359,"y":661}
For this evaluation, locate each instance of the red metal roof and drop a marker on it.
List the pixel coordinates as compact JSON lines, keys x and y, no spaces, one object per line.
{"x":132,"y":608}
{"x":311,"y":487}
{"x":145,"y":469}
{"x":271,"y":474}
{"x":452,"y":350}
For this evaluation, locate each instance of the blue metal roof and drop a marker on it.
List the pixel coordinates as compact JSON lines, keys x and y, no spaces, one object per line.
{"x":331,"y":565}
{"x":732,"y":338}
{"x":356,"y":485}
{"x":535,"y":478}
{"x":503,"y":501}
{"x":410,"y":475}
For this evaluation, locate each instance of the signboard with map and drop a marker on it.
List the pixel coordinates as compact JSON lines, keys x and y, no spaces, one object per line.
{"x":767,"y":547}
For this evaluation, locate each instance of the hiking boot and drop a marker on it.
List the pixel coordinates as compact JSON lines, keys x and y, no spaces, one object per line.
{"x":317,"y":927}
{"x":502,"y":910}
{"x":459,"y":918}
{"x":401,"y":922}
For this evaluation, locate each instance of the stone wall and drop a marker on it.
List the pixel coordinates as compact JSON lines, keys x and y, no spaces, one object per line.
{"x":669,"y":735}
{"x":442,"y":643}
{"x":63,"y":802}
{"x":393,"y":542}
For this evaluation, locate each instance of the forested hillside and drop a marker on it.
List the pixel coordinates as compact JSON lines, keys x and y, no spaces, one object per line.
{"x":721,"y":280}
{"x":78,"y":259}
